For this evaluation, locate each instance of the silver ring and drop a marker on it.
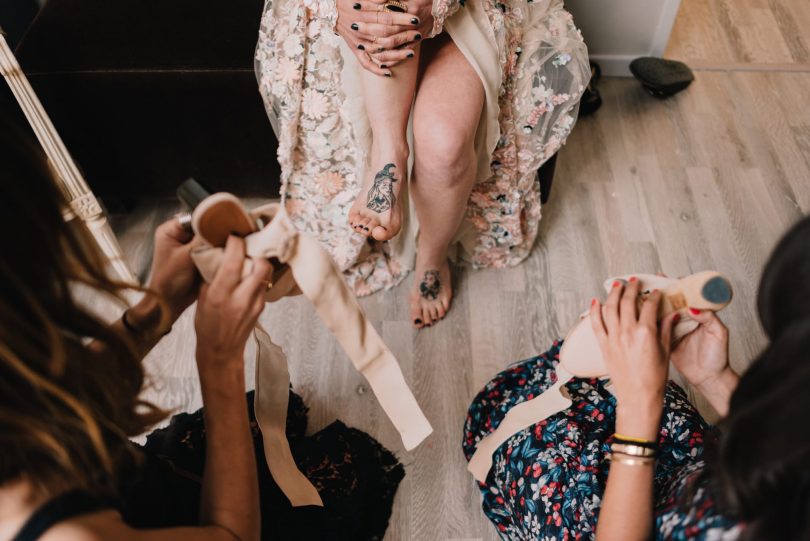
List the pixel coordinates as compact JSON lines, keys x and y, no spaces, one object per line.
{"x":184,"y":220}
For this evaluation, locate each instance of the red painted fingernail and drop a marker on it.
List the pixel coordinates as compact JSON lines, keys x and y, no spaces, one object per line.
{"x":676,"y":318}
{"x":617,"y":283}
{"x":633,"y":279}
{"x":694,"y":311}
{"x":593,"y":302}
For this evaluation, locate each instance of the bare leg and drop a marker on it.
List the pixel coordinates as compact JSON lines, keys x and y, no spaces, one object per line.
{"x":447,"y":111}
{"x":377,"y":210}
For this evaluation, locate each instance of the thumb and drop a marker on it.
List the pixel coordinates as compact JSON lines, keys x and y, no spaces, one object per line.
{"x":709,"y":321}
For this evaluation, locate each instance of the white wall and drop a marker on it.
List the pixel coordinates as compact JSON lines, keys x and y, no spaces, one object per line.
{"x":619,"y":31}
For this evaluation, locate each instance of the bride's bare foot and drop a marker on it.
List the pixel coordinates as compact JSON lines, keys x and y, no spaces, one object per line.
{"x":431,"y":292}
{"x":377,"y":210}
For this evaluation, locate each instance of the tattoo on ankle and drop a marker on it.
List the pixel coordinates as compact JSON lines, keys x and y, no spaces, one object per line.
{"x":430,"y":286}
{"x":381,"y":195}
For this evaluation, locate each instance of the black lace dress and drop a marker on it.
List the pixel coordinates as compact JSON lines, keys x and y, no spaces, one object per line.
{"x":356,"y":477}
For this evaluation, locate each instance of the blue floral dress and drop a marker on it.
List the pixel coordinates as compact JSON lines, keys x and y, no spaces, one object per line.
{"x":547,"y":481}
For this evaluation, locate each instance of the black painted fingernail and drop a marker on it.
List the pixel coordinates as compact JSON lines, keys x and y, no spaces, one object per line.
{"x":355,"y":27}
{"x":414,"y":21}
{"x":356,"y":6}
{"x":380,"y":50}
{"x":410,"y":55}
{"x":417,"y":37}
{"x":366,"y":228}
{"x":417,"y":321}
{"x":360,"y":46}
{"x":383,"y":66}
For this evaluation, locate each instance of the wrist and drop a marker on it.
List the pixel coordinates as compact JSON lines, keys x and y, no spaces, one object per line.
{"x":724,"y":381}
{"x":719,"y":388}
{"x":220,"y":361}
{"x":640,"y":419}
{"x":221,"y":382}
{"x":145,"y":319}
{"x":160,"y":292}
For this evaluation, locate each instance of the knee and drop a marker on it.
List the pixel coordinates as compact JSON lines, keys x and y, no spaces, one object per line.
{"x":440,"y":146}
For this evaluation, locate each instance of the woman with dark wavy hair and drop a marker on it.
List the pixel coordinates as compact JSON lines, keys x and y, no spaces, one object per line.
{"x":747,"y":479}
{"x":70,"y":388}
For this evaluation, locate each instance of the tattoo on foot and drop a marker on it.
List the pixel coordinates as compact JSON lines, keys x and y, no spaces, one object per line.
{"x":381,"y":195}
{"x":430,"y":286}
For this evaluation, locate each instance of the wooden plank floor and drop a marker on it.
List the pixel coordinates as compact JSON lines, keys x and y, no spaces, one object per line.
{"x":742,"y":31}
{"x":707,"y":180}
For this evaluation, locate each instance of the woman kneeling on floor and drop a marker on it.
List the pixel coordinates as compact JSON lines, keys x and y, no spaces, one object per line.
{"x":70,"y":387}
{"x":746,"y":480}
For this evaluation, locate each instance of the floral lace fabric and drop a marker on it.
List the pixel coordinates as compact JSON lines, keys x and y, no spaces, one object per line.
{"x":324,"y":141}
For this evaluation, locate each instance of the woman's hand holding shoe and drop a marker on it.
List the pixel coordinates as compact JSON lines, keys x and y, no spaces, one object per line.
{"x":173,"y":274}
{"x":636,"y":353}
{"x":229,"y":307}
{"x":702,"y":357}
{"x":174,"y":279}
{"x":227,"y":311}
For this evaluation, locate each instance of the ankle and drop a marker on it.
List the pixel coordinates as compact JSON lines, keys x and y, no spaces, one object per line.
{"x":391,"y":149}
{"x":431,"y":259}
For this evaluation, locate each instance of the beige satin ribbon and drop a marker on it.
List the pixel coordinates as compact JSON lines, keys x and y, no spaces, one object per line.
{"x":316,"y":275}
{"x":580,"y":356}
{"x":519,"y":418}
{"x":270,"y":402}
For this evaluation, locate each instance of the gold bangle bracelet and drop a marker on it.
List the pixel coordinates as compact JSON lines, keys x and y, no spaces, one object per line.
{"x":632,"y":439}
{"x":630,"y":460}
{"x":632,"y":450}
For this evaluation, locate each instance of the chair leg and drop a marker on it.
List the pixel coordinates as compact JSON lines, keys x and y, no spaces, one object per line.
{"x":546,"y":176}
{"x":83,"y":204}
{"x":87,"y":208}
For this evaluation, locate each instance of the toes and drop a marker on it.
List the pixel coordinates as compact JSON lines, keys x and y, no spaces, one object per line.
{"x":441,"y":311}
{"x":370,"y":225}
{"x":364,"y":226}
{"x":416,"y":315}
{"x":426,"y":317}
{"x":354,"y":217}
{"x":381,"y":233}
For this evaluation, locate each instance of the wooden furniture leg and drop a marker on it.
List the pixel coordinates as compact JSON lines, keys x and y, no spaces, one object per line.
{"x":83,"y":204}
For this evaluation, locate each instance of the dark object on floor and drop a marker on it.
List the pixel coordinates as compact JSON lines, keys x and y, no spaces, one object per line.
{"x":546,"y":176}
{"x":662,"y":78}
{"x":591,"y":99}
{"x":147,"y":94}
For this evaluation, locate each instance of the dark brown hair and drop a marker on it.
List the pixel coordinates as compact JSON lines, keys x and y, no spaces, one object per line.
{"x":760,"y":466}
{"x":67,"y":409}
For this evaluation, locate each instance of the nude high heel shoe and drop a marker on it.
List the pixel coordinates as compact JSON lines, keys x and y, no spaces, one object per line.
{"x":581,"y":356}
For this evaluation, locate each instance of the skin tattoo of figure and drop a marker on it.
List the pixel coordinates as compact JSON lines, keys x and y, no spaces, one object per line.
{"x":381,"y":195}
{"x":430,"y":286}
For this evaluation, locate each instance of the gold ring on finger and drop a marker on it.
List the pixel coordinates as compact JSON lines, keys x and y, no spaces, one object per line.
{"x":396,"y":6}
